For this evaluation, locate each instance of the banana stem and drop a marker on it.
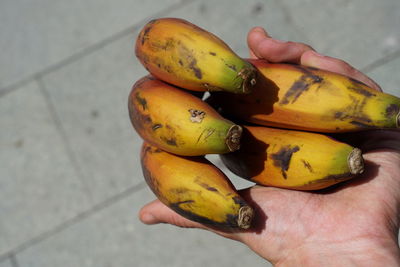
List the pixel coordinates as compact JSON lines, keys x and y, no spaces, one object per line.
{"x":233,"y":137}
{"x":249,"y":79}
{"x":356,"y":161}
{"x":246,"y":214}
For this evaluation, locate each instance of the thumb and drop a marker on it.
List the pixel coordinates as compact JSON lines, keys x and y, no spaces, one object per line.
{"x":313,"y":59}
{"x":156,"y":212}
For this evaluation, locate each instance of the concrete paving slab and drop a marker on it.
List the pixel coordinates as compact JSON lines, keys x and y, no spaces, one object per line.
{"x":231,"y":20}
{"x":359,"y":31}
{"x":387,"y":76}
{"x":90,"y":98}
{"x":38,"y":183}
{"x":115,"y":237}
{"x":38,"y":34}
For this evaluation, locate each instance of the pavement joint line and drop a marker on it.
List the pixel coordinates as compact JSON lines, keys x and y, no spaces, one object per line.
{"x":91,"y":48}
{"x":13,"y":260}
{"x":72,"y":221}
{"x":7,"y":89}
{"x":381,"y":61}
{"x":10,"y":257}
{"x":5,"y":257}
{"x":64,"y":136}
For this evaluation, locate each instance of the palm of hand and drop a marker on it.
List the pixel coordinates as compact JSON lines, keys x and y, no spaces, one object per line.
{"x":361,"y":213}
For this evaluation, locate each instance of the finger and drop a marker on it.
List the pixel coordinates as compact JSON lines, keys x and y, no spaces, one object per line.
{"x":373,"y":140}
{"x":273,"y":50}
{"x":313,"y":59}
{"x":252,"y":55}
{"x":382,"y":140}
{"x":156,"y":212}
{"x":255,"y":36}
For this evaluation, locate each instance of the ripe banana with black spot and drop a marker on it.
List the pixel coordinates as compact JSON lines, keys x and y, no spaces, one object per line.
{"x":293,"y":159}
{"x":181,"y":53}
{"x":300,"y":97}
{"x":179,"y":122}
{"x":195,"y":189}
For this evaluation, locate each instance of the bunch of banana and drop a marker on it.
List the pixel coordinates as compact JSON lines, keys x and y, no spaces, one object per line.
{"x":179,"y":129}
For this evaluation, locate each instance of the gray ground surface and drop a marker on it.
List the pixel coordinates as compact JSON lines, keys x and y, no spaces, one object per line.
{"x":70,"y":180}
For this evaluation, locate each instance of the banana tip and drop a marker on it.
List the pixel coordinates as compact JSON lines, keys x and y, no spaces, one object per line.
{"x":233,"y":137}
{"x":246,"y":214}
{"x":356,"y":161}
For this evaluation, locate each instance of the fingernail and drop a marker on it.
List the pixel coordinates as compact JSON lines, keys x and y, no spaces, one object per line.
{"x":260,"y":30}
{"x":314,"y":53}
{"x":148,"y":218}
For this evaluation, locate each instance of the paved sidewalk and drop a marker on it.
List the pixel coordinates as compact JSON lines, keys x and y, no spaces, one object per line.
{"x":70,"y":180}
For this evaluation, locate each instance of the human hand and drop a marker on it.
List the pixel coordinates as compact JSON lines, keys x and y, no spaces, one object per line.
{"x":355,"y":223}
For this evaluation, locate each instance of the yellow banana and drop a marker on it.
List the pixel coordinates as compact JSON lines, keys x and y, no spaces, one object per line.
{"x":195,"y":189}
{"x":299,"y":97}
{"x":187,"y":56}
{"x":293,"y":159}
{"x":179,"y":122}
